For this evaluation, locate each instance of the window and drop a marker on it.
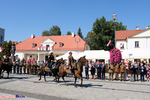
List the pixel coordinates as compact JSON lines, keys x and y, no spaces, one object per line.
{"x":136,"y":44}
{"x":60,"y":44}
{"x":1,"y":38}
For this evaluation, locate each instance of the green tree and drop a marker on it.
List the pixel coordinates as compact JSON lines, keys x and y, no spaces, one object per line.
{"x":55,"y":30}
{"x":90,"y":40}
{"x":104,"y":31}
{"x":68,"y":33}
{"x":45,"y":33}
{"x":6,"y":48}
{"x":80,"y":33}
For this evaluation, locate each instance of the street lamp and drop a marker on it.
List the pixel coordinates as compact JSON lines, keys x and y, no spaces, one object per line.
{"x":77,"y":42}
{"x":115,"y":20}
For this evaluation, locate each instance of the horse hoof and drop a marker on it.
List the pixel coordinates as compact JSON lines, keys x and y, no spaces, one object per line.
{"x":58,"y":84}
{"x":64,"y":83}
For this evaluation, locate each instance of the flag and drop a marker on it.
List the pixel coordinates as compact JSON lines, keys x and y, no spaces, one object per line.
{"x":1,"y":49}
{"x":109,"y":43}
{"x":121,"y":45}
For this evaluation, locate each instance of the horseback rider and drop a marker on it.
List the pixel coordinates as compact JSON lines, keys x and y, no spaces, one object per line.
{"x":70,"y":60}
{"x":51,"y":59}
{"x":6,"y":59}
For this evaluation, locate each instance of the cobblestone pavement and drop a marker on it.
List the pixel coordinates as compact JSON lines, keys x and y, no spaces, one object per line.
{"x":32,"y":89}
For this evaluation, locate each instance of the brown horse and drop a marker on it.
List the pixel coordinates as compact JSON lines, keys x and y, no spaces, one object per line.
{"x":5,"y":66}
{"x":44,"y":70}
{"x":63,"y":71}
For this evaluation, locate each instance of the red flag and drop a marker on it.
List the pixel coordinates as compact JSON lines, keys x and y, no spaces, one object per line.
{"x":109,"y":43}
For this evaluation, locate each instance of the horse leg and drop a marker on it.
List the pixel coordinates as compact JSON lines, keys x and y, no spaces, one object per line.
{"x":78,"y":76}
{"x":75,"y":81}
{"x":60,"y":74}
{"x":64,"y":79}
{"x":7,"y":74}
{"x":45,"y":76}
{"x":40,"y":75}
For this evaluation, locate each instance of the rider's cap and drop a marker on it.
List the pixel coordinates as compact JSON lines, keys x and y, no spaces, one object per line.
{"x":70,"y":52}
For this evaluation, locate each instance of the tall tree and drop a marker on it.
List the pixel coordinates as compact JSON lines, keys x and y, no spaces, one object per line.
{"x":68,"y":33}
{"x":55,"y":30}
{"x":6,"y":48}
{"x":45,"y":33}
{"x":91,"y":40}
{"x":104,"y":31}
{"x":80,"y":33}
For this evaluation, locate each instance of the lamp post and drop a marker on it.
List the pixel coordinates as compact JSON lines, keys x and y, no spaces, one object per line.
{"x":77,"y":42}
{"x":115,"y":20}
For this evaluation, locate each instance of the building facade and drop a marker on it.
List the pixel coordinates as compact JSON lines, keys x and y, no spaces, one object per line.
{"x":38,"y":48}
{"x":2,"y":33}
{"x":134,"y":44}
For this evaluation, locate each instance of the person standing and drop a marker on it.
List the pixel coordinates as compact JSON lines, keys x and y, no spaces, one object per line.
{"x":93,"y":71}
{"x":98,"y":66}
{"x":136,"y":71}
{"x":103,"y":70}
{"x":148,"y":72}
{"x":87,"y":71}
{"x":116,"y":70}
{"x":142,"y":68}
{"x":131,"y":67}
{"x":14,"y":67}
{"x":122,"y":71}
{"x":110,"y":71}
{"x":17,"y":65}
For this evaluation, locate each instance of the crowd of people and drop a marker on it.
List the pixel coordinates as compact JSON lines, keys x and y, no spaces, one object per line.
{"x":130,"y":72}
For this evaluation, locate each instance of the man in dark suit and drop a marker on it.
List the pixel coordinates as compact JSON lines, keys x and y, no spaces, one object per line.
{"x":87,"y":71}
{"x":132,"y":68}
{"x":103,"y":70}
{"x":98,"y":66}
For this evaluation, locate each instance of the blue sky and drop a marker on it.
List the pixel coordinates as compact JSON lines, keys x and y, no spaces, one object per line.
{"x":21,"y":18}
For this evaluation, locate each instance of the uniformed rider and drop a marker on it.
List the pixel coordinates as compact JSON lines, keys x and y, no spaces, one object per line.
{"x":51,"y":59}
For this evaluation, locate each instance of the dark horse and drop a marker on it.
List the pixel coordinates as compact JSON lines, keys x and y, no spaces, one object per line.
{"x":63,"y":71}
{"x":5,"y":66}
{"x":44,"y":70}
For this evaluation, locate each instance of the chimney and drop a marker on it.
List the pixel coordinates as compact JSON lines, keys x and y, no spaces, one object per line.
{"x":148,"y":27}
{"x":32,"y":36}
{"x":137,"y":28}
{"x":73,"y":34}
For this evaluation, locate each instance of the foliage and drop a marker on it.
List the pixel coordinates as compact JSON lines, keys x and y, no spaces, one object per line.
{"x":68,"y":33}
{"x":90,"y":40}
{"x":6,"y":48}
{"x":45,"y":33}
{"x":104,"y":31}
{"x":55,"y":30}
{"x":80,"y":33}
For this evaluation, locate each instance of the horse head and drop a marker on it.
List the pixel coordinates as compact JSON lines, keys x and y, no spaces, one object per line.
{"x":83,"y":60}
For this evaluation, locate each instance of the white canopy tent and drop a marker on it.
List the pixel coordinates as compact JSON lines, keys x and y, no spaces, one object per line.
{"x":90,"y":54}
{"x":75,"y":55}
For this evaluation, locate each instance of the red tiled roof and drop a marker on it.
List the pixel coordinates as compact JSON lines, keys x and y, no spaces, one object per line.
{"x":122,"y":35}
{"x":67,"y":40}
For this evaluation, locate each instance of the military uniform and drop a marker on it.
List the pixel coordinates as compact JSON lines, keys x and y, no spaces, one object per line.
{"x":28,"y":65}
{"x":24,"y":67}
{"x":110,"y":71}
{"x":38,"y":67}
{"x":71,"y":61}
{"x":31,"y":68}
{"x":116,"y":71}
{"x":20,"y":67}
{"x":122,"y":71}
